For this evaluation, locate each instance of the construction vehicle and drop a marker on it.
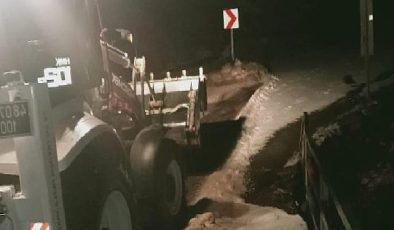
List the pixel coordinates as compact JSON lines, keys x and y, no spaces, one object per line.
{"x":87,"y":141}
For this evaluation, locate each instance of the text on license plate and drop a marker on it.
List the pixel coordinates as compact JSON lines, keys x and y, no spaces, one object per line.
{"x":14,"y":119}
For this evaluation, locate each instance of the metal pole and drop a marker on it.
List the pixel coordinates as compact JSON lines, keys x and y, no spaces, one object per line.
{"x":232,"y":45}
{"x":367,"y":38}
{"x":368,"y":74}
{"x":370,"y":43}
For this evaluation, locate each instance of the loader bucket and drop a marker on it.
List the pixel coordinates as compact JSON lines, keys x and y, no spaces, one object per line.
{"x":175,"y":102}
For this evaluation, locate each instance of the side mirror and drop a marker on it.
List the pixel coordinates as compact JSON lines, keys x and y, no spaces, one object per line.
{"x":13,"y":76}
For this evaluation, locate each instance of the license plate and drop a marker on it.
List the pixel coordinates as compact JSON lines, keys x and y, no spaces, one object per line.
{"x":14,"y":119}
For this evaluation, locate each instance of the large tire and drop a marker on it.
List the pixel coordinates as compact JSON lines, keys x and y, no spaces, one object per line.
{"x":165,"y":207}
{"x":88,"y":184}
{"x":169,"y":186}
{"x":117,"y":210}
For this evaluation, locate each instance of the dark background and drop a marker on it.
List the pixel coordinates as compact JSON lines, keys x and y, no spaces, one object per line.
{"x":176,"y":34}
{"x":188,"y":33}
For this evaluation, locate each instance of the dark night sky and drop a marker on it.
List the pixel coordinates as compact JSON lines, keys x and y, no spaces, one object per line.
{"x":174,"y":33}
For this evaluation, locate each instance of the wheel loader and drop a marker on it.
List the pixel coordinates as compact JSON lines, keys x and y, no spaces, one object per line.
{"x":88,"y":140}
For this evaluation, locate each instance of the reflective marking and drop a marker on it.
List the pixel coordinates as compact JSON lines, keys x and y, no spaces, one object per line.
{"x":55,"y":77}
{"x":39,"y":226}
{"x":370,"y":17}
{"x":174,"y":124}
{"x":59,"y":75}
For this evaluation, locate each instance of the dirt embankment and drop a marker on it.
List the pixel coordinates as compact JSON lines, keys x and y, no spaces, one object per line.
{"x":231,"y":87}
{"x":215,"y":197}
{"x":274,"y":177}
{"x":231,"y":107}
{"x":260,"y":166}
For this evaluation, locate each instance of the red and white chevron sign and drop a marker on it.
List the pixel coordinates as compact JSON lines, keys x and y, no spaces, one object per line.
{"x":230,"y":18}
{"x":39,"y":226}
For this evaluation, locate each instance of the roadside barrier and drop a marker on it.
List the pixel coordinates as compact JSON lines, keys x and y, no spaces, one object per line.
{"x":323,"y":205}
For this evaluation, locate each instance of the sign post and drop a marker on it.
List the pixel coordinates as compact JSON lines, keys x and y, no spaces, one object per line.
{"x":231,"y":22}
{"x":25,"y":118}
{"x":232,"y":44}
{"x":367,"y":37}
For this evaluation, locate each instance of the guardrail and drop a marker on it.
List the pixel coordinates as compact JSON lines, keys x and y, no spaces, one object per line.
{"x":325,"y":209}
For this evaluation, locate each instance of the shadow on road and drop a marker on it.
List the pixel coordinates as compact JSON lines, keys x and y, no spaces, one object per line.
{"x":218,"y":139}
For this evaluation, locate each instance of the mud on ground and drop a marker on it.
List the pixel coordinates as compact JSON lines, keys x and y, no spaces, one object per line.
{"x":273,"y":106}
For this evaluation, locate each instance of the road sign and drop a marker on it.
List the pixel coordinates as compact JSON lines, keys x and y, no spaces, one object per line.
{"x":230,"y":19}
{"x":231,"y":22}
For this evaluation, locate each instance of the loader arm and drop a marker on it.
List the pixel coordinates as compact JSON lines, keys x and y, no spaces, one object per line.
{"x":174,"y":102}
